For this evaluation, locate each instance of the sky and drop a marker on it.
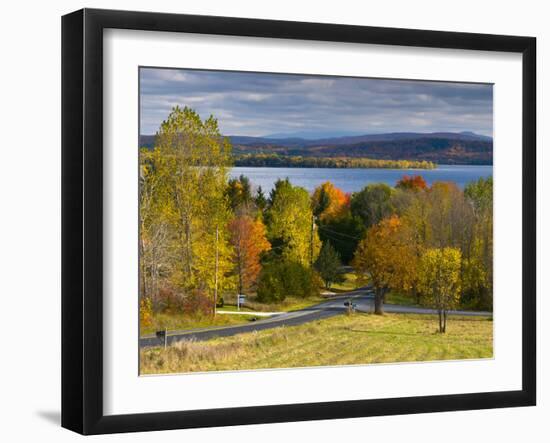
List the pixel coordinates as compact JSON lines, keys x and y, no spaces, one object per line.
{"x":262,"y":104}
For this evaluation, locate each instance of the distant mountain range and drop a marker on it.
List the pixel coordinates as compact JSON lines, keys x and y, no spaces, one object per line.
{"x":438,"y":147}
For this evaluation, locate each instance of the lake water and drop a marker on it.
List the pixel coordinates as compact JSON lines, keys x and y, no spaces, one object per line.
{"x":352,"y":180}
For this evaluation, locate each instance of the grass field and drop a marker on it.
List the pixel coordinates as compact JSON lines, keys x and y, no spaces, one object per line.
{"x":341,"y":340}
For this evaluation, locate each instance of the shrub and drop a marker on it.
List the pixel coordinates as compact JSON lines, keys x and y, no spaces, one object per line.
{"x":270,"y":286}
{"x":198,"y":303}
{"x":145,"y":312}
{"x":169,"y":300}
{"x":328,"y":264}
{"x":281,"y":279}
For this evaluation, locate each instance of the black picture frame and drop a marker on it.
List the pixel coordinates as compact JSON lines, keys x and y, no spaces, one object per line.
{"x":82,"y":216}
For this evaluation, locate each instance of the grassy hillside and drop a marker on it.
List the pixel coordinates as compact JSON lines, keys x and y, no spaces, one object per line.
{"x":341,"y":340}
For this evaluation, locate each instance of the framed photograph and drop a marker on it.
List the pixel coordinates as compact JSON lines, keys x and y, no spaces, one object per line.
{"x":270,"y":221}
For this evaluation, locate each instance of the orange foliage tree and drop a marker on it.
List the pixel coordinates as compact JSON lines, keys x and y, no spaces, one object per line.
{"x":249,"y":241}
{"x":386,"y":259}
{"x":413,"y":183}
{"x":329,"y":202}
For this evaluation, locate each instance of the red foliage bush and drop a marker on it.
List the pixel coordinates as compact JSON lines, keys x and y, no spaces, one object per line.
{"x":171,"y":300}
{"x":198,"y":303}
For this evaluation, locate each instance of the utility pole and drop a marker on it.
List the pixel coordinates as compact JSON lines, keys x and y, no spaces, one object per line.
{"x":216,"y":273}
{"x":311,"y":240}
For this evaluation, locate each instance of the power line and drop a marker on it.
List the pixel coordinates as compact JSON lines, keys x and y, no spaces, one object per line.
{"x":339,"y":233}
{"x":334,"y":239}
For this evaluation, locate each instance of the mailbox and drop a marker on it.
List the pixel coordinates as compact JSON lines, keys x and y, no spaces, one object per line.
{"x":240,"y":300}
{"x":350,"y":305}
{"x":162,"y":336}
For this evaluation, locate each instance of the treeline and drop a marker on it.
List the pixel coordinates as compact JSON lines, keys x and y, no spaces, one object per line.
{"x":203,"y":235}
{"x":292,"y":161}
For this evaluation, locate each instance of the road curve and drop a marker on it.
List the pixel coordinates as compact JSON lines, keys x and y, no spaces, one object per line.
{"x":363,"y":299}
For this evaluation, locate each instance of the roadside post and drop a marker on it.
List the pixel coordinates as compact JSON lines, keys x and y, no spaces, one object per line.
{"x":240,"y":301}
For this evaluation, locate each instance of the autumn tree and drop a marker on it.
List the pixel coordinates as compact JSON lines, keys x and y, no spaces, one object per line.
{"x":449,"y":216}
{"x":331,"y":207}
{"x":328,"y":264}
{"x":291,"y":225}
{"x":412,"y":183}
{"x":196,"y":160}
{"x":372,"y":204}
{"x":386,"y":260}
{"x":414,"y":209}
{"x":248,"y":238}
{"x":439,"y":280}
{"x":329,"y":202}
{"x":439,"y":215}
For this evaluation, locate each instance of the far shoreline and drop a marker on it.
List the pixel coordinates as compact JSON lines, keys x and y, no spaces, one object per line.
{"x":311,"y":162}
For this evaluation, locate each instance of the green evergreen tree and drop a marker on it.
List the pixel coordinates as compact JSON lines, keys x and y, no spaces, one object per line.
{"x":260,"y":200}
{"x":239,"y":192}
{"x":328,"y":264}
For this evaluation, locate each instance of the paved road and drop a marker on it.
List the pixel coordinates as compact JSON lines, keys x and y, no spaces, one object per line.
{"x":363,"y":298}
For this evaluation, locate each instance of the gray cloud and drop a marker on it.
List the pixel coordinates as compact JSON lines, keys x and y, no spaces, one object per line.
{"x":259,"y":104}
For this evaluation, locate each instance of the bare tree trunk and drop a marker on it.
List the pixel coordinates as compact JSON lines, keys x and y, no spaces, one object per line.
{"x":444,"y":321}
{"x":143,"y":265}
{"x":188,"y":244}
{"x":216,"y":273}
{"x":440,"y":313}
{"x":311,"y":240}
{"x":185,"y":235}
{"x":416,"y":295}
{"x":240,"y":263}
{"x":379,"y":295}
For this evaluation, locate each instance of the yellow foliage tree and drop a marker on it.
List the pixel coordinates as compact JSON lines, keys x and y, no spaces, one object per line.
{"x":193,"y":165}
{"x":439,"y":280}
{"x":290,"y":219}
{"x":145,"y":312}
